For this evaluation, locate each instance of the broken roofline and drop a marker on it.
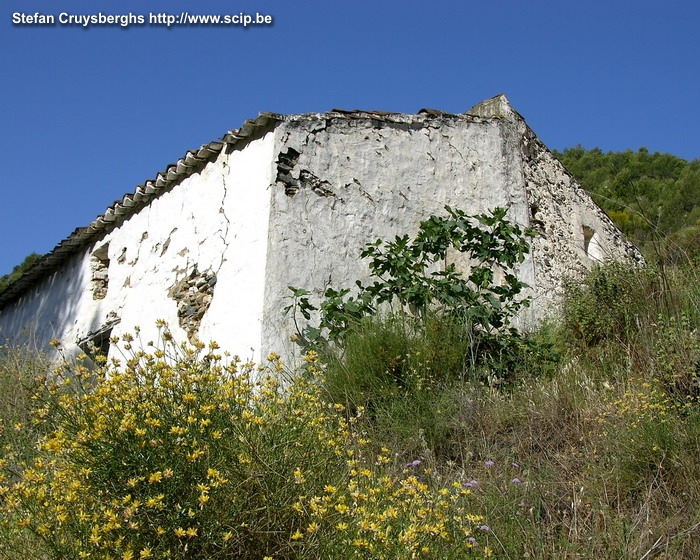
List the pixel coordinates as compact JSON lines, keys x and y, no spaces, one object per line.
{"x":193,"y":162}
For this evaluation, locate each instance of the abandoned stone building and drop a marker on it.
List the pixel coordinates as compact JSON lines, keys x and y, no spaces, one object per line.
{"x":211,"y":244}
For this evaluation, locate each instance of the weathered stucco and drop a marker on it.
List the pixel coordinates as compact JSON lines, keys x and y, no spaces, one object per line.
{"x":293,"y":203}
{"x":380,"y":179}
{"x":214,"y":223}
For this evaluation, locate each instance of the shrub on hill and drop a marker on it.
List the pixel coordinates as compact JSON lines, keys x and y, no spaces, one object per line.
{"x":181,"y":453}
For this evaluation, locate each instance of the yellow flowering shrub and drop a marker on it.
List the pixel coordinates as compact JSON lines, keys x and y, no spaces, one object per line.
{"x":183,"y":453}
{"x":386,"y":517}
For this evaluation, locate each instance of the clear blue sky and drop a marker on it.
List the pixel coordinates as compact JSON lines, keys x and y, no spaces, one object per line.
{"x":87,"y":115}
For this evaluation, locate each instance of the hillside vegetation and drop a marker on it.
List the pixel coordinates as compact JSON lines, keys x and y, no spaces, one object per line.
{"x":401,"y":446}
{"x":18,"y":270}
{"x":653,"y":198}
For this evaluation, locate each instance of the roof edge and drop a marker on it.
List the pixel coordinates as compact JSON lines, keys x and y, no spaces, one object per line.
{"x":192,"y":162}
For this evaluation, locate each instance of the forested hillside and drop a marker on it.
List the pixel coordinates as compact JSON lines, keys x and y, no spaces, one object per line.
{"x":18,"y":270}
{"x":653,"y":198}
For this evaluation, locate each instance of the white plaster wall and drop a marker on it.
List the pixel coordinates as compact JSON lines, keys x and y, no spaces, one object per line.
{"x":216,"y":220}
{"x":234,"y":319}
{"x":159,"y":245}
{"x":50,"y":310}
{"x":385,"y":180}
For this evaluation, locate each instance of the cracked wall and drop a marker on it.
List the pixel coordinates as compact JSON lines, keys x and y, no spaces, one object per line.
{"x":208,"y":235}
{"x":165,"y":263}
{"x":342,"y":183}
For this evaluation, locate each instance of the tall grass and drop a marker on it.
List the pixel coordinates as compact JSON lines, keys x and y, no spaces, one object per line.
{"x":581,"y":442}
{"x":589,"y":451}
{"x":21,"y":373}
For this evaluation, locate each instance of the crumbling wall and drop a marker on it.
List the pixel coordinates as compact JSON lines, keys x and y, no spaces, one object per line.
{"x":164,"y":263}
{"x":99,"y":266}
{"x":195,"y":257}
{"x":193,"y":294}
{"x":344,"y":181}
{"x":573,"y":233}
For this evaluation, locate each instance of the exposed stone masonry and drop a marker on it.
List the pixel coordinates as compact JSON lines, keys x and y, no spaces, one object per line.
{"x":193,"y":295}
{"x":99,"y":263}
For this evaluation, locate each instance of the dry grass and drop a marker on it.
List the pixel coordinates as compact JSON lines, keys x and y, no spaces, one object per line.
{"x":591,"y":452}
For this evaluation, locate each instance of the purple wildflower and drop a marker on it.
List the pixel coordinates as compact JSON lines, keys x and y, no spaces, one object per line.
{"x":485,"y":528}
{"x":472,"y":540}
{"x":415,"y":463}
{"x":516,"y":481}
{"x":490,"y":463}
{"x":515,"y":465}
{"x":471,"y":484}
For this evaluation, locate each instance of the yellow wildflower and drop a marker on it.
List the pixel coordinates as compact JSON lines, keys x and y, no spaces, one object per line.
{"x":155,"y":477}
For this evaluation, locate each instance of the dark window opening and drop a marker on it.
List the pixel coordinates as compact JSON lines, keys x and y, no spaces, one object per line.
{"x":588,"y":234}
{"x":97,"y":343}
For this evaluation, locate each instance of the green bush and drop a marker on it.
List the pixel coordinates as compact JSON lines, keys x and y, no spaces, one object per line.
{"x":402,"y":376}
{"x":404,"y":345}
{"x":405,"y":280}
{"x":414,"y":378}
{"x":606,"y":305}
{"x":418,"y":322}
